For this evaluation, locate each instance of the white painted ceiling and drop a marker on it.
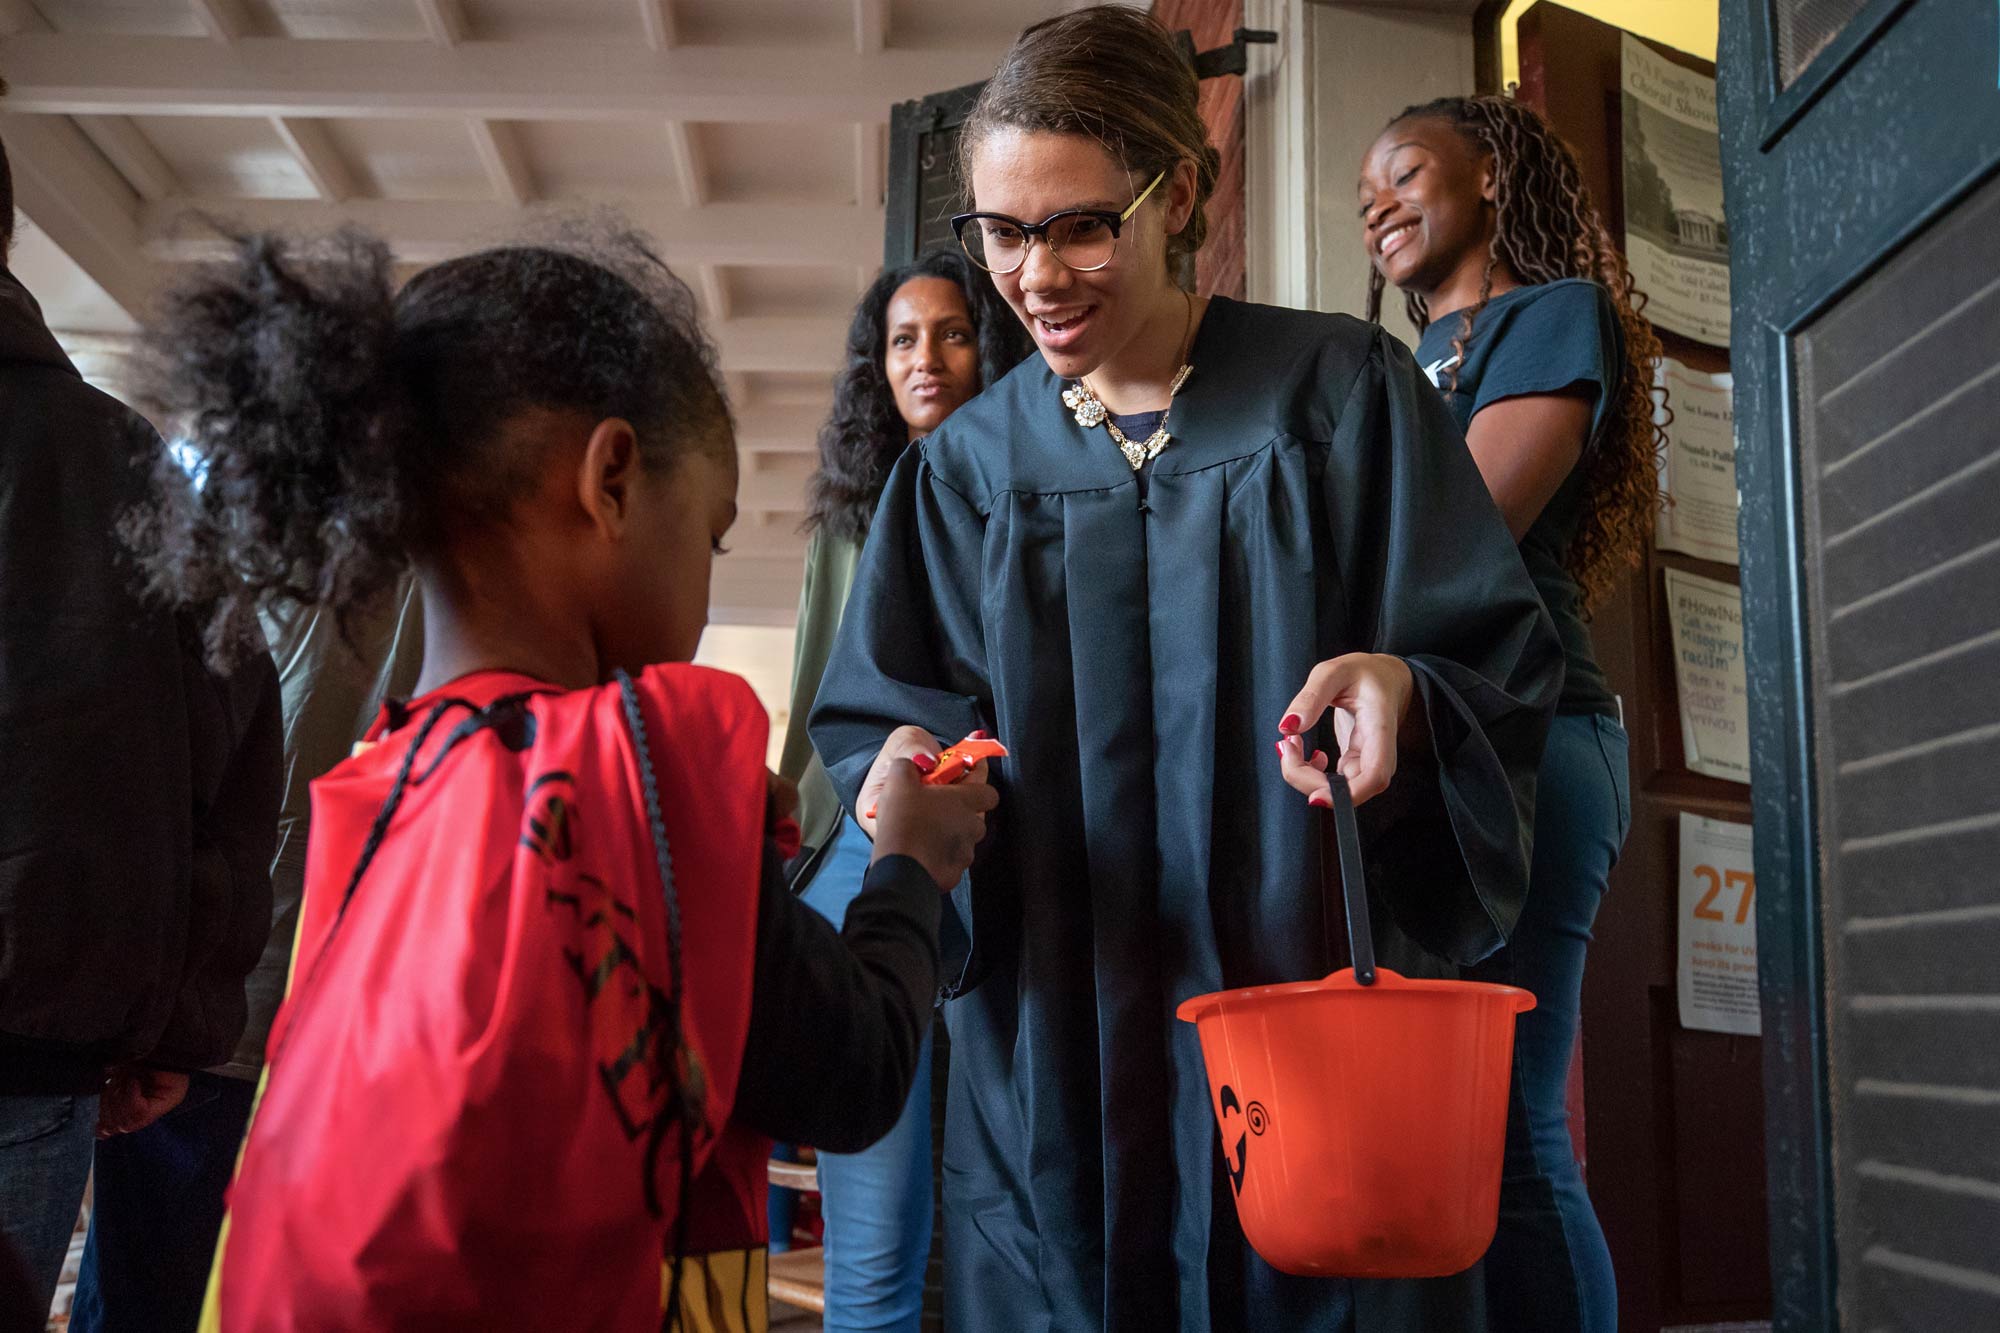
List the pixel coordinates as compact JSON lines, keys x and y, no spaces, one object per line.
{"x":747,"y":136}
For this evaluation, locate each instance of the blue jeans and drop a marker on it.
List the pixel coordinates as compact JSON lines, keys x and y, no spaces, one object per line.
{"x":155,"y":1212}
{"x":1549,"y":1270}
{"x":45,"y":1143}
{"x":876,"y":1203}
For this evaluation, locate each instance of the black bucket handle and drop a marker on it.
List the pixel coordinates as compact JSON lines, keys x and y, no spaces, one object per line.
{"x":1353,"y":884}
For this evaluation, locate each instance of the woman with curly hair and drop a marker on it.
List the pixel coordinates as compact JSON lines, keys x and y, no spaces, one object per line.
{"x":924,"y":339}
{"x":549,"y":990}
{"x":1477,"y":211}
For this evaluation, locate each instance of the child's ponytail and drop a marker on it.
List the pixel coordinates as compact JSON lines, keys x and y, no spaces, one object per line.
{"x":277,"y":367}
{"x":340,"y":429}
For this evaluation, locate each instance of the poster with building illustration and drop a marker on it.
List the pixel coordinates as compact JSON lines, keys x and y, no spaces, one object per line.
{"x":1676,"y":238}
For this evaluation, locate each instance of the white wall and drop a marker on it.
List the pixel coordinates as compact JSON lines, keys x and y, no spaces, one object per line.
{"x":762,"y":655}
{"x":1368,"y":63}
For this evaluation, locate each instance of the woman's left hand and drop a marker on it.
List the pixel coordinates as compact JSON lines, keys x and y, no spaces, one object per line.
{"x":1370,"y":693}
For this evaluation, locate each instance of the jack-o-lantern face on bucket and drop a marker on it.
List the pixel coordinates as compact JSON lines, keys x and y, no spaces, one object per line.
{"x":1239,"y":1122}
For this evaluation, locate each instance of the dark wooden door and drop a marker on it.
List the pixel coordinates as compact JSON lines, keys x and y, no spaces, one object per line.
{"x":1672,"y":1119}
{"x":1861,"y":146}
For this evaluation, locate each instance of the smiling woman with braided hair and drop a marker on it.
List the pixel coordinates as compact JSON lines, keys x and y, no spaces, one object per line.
{"x":1477,"y":211}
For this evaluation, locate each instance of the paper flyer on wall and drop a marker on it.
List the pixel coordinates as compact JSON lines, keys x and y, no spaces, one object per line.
{"x":1718,"y":928}
{"x":1676,"y":240}
{"x":1698,"y":466}
{"x":1707,"y":620}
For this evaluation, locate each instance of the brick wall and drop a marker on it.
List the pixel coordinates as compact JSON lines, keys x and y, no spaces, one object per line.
{"x":1219,"y":267}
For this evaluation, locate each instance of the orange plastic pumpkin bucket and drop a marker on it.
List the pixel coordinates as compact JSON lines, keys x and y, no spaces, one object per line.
{"x":1363,"y":1116}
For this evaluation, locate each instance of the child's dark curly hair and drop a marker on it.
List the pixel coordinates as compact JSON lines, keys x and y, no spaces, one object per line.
{"x":1547,"y":228}
{"x":865,"y":434}
{"x":341,"y":428}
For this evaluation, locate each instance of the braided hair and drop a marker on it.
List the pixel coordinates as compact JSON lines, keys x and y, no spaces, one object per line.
{"x":1546,"y":228}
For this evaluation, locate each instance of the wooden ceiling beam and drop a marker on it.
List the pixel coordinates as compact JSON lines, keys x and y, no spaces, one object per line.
{"x":20,"y":16}
{"x":870,"y":173}
{"x":318,"y":156}
{"x":77,"y":74}
{"x":690,"y":165}
{"x":127,"y":148}
{"x":444,"y":21}
{"x":222,"y":20}
{"x":65,"y":186}
{"x":781,"y":431}
{"x":714,"y":291}
{"x":662,"y":30}
{"x":871,"y":26}
{"x":499,"y":149}
{"x":770,"y":492}
{"x":750,"y":587}
{"x":424,"y":231}
{"x":774,"y":342}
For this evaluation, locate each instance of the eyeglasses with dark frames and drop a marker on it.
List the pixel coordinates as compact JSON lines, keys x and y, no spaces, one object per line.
{"x":1083,"y":239}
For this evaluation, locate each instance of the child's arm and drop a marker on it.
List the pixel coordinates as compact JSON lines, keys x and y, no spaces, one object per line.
{"x":837,"y":1020}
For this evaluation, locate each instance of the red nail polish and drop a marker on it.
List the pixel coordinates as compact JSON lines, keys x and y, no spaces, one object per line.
{"x":981,"y":735}
{"x":1279,"y":746}
{"x":788,"y":838}
{"x":1320,"y":800}
{"x":924,"y":763}
{"x":1290,"y":725}
{"x":1319,"y":758}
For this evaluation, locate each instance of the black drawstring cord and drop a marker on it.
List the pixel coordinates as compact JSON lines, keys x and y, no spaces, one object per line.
{"x":683,"y":1103}
{"x":376,"y":833}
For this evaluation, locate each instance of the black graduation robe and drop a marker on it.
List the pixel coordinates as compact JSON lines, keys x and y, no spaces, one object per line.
{"x":1136,"y":642}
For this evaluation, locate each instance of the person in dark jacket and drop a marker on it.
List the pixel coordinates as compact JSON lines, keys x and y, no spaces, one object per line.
{"x":139,"y":814}
{"x":157,"y":1197}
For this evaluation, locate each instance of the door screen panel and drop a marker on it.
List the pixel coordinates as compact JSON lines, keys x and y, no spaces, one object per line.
{"x":1899,"y":453}
{"x":1804,"y":28}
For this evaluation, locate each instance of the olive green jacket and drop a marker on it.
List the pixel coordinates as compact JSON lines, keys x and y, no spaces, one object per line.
{"x":830,"y":566}
{"x":331,"y":688}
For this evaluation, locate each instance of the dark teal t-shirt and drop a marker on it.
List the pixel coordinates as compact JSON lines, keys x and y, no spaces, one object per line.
{"x":1544,"y":338}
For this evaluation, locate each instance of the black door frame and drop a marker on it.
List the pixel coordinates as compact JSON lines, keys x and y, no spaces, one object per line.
{"x":1864,"y":91}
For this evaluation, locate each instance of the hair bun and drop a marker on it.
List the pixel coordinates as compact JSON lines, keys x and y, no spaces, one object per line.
{"x":1113,"y":74}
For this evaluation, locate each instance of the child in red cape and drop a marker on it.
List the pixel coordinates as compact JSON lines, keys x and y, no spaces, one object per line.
{"x":550,"y":994}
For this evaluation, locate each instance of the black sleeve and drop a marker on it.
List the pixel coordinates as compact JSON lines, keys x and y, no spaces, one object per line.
{"x":837,"y":1020}
{"x":237,"y":748}
{"x":1563,"y":339}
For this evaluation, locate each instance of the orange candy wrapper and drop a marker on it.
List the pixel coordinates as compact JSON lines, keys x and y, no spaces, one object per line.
{"x":956,"y":762}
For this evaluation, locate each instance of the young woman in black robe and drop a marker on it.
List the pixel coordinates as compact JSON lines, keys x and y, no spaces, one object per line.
{"x":1291,"y":533}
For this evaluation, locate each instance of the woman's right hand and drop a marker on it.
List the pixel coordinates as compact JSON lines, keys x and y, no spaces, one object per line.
{"x":904,"y":746}
{"x":939,"y":827}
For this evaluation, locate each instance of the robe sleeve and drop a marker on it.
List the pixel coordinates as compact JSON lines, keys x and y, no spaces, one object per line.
{"x":1429,"y":573}
{"x":911,"y":651}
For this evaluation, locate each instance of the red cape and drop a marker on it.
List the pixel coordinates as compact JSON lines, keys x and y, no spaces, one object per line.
{"x":461,"y":1085}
